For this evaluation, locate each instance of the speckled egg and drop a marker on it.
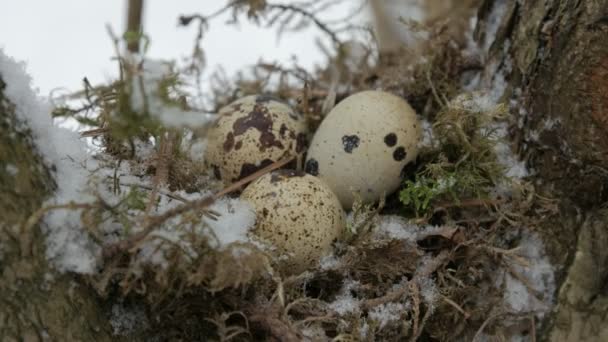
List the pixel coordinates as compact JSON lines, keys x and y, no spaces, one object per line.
{"x":364,"y":145}
{"x":251,"y":133}
{"x":296,"y":213}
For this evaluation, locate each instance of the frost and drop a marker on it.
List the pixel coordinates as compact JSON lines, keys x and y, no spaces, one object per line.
{"x":125,"y":320}
{"x":68,"y":246}
{"x":429,"y":292}
{"x":146,"y":97}
{"x":314,"y":333}
{"x":345,"y":303}
{"x":395,"y":227}
{"x":329,"y":262}
{"x":364,"y":330}
{"x":386,"y":313}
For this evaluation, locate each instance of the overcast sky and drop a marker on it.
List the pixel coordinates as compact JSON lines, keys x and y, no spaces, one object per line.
{"x":64,"y":40}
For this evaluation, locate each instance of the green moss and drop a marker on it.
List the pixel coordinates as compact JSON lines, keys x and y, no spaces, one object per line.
{"x":463,"y":165}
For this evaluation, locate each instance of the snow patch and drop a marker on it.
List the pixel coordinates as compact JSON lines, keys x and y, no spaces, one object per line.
{"x":345,"y":303}
{"x":499,"y":9}
{"x":146,"y":97}
{"x":396,"y":227}
{"x":428,"y":139}
{"x":68,"y":246}
{"x":314,"y":333}
{"x":236,"y":218}
{"x":126,"y":320}
{"x":539,"y":275}
{"x":387,"y":313}
{"x":198,"y":149}
{"x":329,"y":262}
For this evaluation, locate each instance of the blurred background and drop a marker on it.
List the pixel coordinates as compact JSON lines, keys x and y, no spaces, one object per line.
{"x":63,"y":41}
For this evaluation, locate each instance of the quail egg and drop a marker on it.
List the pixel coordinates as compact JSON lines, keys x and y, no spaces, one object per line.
{"x":251,"y":133}
{"x":296,"y":213}
{"x":364,"y":145}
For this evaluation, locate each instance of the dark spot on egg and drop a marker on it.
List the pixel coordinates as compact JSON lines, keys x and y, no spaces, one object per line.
{"x":350,"y":142}
{"x":312,"y":167}
{"x":399,"y":153}
{"x":390,"y":139}
{"x":248,"y":169}
{"x":265,"y":212}
{"x":258,"y":119}
{"x":228,"y":142}
{"x":238,"y":145}
{"x":216,"y":171}
{"x":283,"y":130}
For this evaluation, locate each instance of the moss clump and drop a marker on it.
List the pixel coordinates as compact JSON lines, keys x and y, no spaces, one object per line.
{"x":462,"y":162}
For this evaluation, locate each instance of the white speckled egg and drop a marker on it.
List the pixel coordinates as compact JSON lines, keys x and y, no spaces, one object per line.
{"x":296,"y":213}
{"x":251,"y":133}
{"x":363,"y":146}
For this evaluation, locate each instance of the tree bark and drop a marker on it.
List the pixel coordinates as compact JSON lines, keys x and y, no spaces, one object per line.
{"x":555,"y":56}
{"x":36,"y":303}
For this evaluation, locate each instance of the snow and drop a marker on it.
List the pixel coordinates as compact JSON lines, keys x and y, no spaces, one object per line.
{"x":127,"y":320}
{"x":197,"y":150}
{"x":428,"y":139}
{"x":499,"y":9}
{"x":145,"y":95}
{"x":345,"y":303}
{"x":11,"y":169}
{"x":329,"y":262}
{"x":314,"y":333}
{"x":514,"y":168}
{"x":429,"y":292}
{"x":236,"y":218}
{"x":387,"y":313}
{"x":396,"y":227}
{"x":68,"y":246}
{"x":540,"y":275}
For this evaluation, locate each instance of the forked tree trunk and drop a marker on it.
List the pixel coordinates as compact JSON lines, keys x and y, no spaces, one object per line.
{"x":36,"y":303}
{"x":555,"y":55}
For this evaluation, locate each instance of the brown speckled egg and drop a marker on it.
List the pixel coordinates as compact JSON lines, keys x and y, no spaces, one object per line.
{"x":296,"y":213}
{"x":251,"y":133}
{"x":364,"y":145}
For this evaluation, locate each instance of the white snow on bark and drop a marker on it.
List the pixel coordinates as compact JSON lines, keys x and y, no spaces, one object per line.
{"x":68,"y":246}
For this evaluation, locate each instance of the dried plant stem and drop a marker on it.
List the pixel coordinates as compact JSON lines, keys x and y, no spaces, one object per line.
{"x":134,"y":20}
{"x":154,"y":221}
{"x":484,"y":324}
{"x":395,"y":295}
{"x":456,"y":306}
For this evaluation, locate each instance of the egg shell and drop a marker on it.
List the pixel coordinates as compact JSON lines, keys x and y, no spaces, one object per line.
{"x":251,"y":133}
{"x":296,"y":213}
{"x":364,"y":145}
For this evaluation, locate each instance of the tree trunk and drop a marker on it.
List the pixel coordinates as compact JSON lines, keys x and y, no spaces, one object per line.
{"x":555,"y":57}
{"x":36,"y":303}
